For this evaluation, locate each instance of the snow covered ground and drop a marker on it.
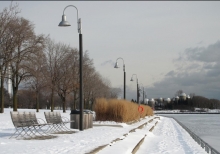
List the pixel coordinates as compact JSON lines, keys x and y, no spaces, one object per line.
{"x":167,"y":137}
{"x":206,"y":126}
{"x":197,"y":110}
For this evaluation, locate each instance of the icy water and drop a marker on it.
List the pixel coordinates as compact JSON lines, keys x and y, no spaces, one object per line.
{"x":206,"y":126}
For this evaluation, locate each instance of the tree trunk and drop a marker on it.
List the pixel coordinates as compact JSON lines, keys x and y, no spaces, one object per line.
{"x":72,"y":104}
{"x":37,"y":102}
{"x":74,"y":100}
{"x":64,"y":104}
{"x":52,"y":101}
{"x":15,"y":104}
{"x":2,"y":96}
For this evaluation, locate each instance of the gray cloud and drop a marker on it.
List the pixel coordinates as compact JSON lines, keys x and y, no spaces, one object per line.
{"x":193,"y":66}
{"x":107,"y":62}
{"x":171,"y":73}
{"x":214,"y":70}
{"x":199,"y":83}
{"x":201,"y":42}
{"x":209,"y":54}
{"x":197,"y":71}
{"x":208,"y":66}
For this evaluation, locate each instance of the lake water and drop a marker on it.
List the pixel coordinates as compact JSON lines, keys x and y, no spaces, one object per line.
{"x":206,"y":126}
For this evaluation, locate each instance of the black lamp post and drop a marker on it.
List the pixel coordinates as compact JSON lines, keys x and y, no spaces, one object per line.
{"x":116,"y":66}
{"x":143,"y":95}
{"x":137,"y":86}
{"x":143,"y":92}
{"x":65,"y":23}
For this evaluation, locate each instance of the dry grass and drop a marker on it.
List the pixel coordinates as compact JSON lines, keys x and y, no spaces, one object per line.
{"x":101,"y":108}
{"x":119,"y":110}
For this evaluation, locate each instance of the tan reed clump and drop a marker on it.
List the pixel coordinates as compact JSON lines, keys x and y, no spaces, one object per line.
{"x":149,"y":110}
{"x":119,"y":110}
{"x":100,"y":108}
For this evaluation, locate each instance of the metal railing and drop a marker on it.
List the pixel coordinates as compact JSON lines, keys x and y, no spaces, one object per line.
{"x":209,"y":149}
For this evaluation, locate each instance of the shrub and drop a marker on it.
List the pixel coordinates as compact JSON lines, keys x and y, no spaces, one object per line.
{"x":119,"y":110}
{"x":101,"y":108}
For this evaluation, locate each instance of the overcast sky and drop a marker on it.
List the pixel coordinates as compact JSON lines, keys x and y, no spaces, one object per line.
{"x":171,"y":46}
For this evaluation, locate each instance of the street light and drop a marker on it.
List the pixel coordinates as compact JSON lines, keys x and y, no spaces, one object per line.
{"x":143,"y":93}
{"x":65,"y":23}
{"x":116,"y":66}
{"x":137,"y":86}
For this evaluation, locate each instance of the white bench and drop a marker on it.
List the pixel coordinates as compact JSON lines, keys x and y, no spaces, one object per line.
{"x":27,"y":125}
{"x":59,"y":123}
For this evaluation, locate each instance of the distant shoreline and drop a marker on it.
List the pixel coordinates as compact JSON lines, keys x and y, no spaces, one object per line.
{"x":187,"y":113}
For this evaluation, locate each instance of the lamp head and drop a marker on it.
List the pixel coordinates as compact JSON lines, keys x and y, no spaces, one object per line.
{"x":64,"y":23}
{"x":131,"y":79}
{"x":116,"y":65}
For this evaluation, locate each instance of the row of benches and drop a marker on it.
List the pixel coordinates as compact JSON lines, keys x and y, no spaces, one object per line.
{"x":28,"y":126}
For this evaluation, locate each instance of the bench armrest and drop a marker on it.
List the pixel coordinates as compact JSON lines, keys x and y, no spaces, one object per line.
{"x":65,"y":119}
{"x":40,"y":121}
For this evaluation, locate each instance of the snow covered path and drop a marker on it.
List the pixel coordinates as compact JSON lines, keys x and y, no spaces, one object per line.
{"x":170,"y":138}
{"x":128,"y":144}
{"x":167,"y":137}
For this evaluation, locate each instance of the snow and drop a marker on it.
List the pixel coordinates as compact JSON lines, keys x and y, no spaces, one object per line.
{"x":197,"y":110}
{"x":206,"y":126}
{"x":166,"y":137}
{"x":169,"y":137}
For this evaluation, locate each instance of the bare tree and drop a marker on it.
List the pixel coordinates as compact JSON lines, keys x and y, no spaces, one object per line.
{"x":100,"y":87}
{"x":115,"y":92}
{"x":64,"y":85}
{"x":43,"y":64}
{"x":192,"y":95}
{"x":26,"y":99}
{"x":56,"y":55}
{"x":105,"y":88}
{"x":88,"y":74}
{"x":178,"y":92}
{"x":26,"y":45}
{"x":7,"y":17}
{"x":75,"y":79}
{"x":35,"y":65}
